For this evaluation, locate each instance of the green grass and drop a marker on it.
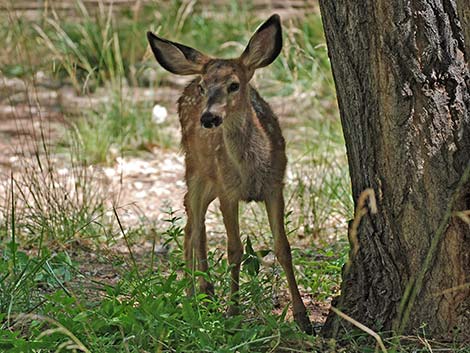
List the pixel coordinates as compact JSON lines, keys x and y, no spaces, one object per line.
{"x":110,"y":49}
{"x":318,"y":186}
{"x":146,"y":310}
{"x":117,"y":129}
{"x":47,"y":207}
{"x":101,"y":48}
{"x":50,"y":300}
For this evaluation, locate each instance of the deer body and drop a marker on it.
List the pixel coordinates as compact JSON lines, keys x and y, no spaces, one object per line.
{"x":234,"y":150}
{"x":242,"y":160}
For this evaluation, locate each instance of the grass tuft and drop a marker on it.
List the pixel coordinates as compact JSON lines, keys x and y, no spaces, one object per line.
{"x":116,"y":129}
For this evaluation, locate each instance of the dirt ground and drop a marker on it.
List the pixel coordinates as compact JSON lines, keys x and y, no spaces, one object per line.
{"x":37,"y":113}
{"x":30,"y":115}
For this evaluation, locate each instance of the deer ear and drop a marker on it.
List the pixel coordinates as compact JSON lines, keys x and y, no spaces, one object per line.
{"x":175,"y":57}
{"x":265,"y":45}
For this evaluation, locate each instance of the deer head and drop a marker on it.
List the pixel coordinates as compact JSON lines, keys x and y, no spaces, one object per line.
{"x":223,"y":83}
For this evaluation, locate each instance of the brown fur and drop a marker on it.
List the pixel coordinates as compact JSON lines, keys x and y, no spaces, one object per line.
{"x":243,"y":159}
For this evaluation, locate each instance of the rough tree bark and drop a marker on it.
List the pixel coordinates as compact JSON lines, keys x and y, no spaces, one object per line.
{"x":402,"y":80}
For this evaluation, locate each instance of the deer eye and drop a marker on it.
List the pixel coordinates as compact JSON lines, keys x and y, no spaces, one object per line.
{"x":201,"y":89}
{"x":234,"y":86}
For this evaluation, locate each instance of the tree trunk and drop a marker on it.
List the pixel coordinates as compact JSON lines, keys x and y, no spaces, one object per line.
{"x":402,"y":80}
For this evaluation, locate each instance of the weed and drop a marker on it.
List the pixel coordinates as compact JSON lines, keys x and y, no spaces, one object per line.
{"x":320,"y":268}
{"x":141,"y":312}
{"x":25,"y":280}
{"x":57,"y":206}
{"x":115,"y":129}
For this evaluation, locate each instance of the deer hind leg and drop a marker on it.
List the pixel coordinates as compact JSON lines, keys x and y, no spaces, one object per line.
{"x":275,"y":209}
{"x":229,"y":210}
{"x":196,"y":201}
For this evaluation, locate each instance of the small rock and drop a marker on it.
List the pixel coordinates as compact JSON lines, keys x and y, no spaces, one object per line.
{"x":159,"y":114}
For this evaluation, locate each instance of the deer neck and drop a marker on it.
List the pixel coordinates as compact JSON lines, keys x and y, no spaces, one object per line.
{"x":246,"y":141}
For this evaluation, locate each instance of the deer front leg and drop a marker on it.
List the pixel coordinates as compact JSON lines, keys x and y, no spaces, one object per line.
{"x":275,"y":209}
{"x":196,"y":201}
{"x":229,"y":210}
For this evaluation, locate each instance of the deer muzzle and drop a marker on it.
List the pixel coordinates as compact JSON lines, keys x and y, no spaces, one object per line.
{"x":210,"y":120}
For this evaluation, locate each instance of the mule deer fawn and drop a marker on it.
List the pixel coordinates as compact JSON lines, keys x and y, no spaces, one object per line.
{"x":234,"y":150}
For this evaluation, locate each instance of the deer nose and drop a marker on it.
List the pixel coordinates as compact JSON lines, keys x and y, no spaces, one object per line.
{"x":210,"y":120}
